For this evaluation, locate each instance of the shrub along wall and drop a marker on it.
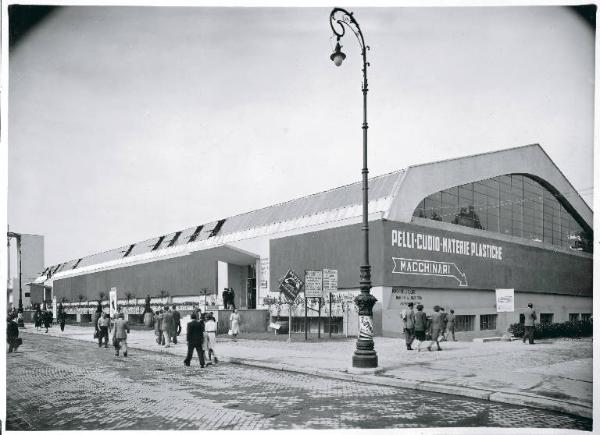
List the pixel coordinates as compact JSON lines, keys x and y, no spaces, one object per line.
{"x":579,"y":328}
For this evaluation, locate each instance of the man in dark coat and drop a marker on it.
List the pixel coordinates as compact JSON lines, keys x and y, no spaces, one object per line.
{"x":61,"y":317}
{"x":226,"y":298}
{"x":12,"y":334}
{"x":195,"y":336}
{"x":177,"y":321}
{"x":231,"y":298}
{"x":47,"y":318}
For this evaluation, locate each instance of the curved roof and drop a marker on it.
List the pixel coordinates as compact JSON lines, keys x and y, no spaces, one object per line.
{"x":393,"y":196}
{"x":421,"y":181}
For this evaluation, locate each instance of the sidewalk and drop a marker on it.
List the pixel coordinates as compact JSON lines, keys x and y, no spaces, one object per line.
{"x":552,"y":374}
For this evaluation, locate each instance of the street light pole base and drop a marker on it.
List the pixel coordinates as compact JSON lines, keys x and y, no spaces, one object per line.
{"x":364,"y":359}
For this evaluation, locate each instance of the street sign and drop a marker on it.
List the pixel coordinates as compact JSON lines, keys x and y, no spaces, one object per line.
{"x":330,"y":280}
{"x":313,"y":284}
{"x":290,"y":285}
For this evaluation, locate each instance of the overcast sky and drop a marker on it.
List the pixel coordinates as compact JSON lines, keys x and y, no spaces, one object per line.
{"x":129,"y":123}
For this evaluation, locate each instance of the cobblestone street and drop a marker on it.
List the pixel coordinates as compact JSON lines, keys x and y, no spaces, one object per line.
{"x":66,"y":384}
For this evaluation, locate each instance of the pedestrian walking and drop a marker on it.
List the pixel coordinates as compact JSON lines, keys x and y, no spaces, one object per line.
{"x":194,"y":335}
{"x":202,"y":320}
{"x":408,"y":320}
{"x":421,"y":325}
{"x":450,"y":318}
{"x":157,"y":327}
{"x":177,"y":322}
{"x":103,"y":329}
{"x":96,"y":316}
{"x":234,"y":324}
{"x":168,"y":326}
{"x":47,"y":318}
{"x":530,"y":318}
{"x":120,"y":335}
{"x":435,"y":327}
{"x":61,"y":317}
{"x":37,"y":318}
{"x":12,"y":334}
{"x":210,"y":327}
{"x":444,"y":318}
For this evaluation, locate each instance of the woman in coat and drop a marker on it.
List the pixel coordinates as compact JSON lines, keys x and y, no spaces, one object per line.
{"x":234,"y":321}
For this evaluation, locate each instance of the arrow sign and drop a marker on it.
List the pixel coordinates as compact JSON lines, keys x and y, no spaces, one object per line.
{"x":411,"y":266}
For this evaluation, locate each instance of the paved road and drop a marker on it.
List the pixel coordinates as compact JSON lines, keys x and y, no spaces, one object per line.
{"x":73,"y":385}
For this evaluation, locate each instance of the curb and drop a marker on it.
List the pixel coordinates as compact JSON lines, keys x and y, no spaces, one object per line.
{"x":476,"y":393}
{"x":519,"y":399}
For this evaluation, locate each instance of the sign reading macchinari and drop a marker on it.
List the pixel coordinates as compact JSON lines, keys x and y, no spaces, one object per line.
{"x":427,"y":242}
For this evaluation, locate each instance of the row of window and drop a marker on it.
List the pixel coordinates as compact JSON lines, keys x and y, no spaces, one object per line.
{"x":515,"y":205}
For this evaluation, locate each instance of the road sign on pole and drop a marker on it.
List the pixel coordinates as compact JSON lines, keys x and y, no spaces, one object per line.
{"x":313,"y":284}
{"x":290,"y":285}
{"x":330,"y":280}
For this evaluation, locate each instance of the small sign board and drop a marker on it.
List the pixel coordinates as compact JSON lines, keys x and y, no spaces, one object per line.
{"x":290,"y":285}
{"x":330,"y":280}
{"x":505,"y":300}
{"x":313,"y":284}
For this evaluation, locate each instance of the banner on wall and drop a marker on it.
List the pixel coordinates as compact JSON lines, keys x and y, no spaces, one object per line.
{"x":505,"y":300}
{"x":112,"y":299}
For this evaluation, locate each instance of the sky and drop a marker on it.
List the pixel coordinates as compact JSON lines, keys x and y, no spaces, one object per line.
{"x":126,"y":123}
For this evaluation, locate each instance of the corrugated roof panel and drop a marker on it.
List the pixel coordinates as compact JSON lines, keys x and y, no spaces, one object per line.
{"x":336,"y":204}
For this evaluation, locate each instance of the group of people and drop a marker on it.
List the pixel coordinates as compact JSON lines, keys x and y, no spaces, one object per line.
{"x":119,"y":327}
{"x":417,"y":324}
{"x":201,"y":336}
{"x":167,"y":325}
{"x":42,"y":318}
{"x":228,"y":298}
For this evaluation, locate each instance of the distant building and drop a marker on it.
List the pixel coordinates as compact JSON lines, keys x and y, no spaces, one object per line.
{"x":446,"y":233}
{"x":32,"y":263}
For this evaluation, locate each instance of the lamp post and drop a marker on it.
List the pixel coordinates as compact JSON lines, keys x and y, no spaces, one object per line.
{"x":364,"y":354}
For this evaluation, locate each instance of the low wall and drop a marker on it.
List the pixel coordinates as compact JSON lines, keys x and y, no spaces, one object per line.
{"x":250,"y":320}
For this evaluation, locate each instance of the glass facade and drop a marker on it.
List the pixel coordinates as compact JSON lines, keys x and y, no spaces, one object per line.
{"x":515,"y":205}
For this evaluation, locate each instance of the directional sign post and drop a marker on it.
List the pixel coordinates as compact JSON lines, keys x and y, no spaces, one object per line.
{"x":290,"y":285}
{"x":330,"y":283}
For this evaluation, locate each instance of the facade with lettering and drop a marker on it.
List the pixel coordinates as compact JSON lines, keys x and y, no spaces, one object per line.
{"x":448,"y":233}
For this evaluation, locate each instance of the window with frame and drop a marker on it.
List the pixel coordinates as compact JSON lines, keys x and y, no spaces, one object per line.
{"x":487,"y":322}
{"x":546,"y":317}
{"x":464,"y":323}
{"x":586,"y":316}
{"x":513,"y":204}
{"x":573,"y":317}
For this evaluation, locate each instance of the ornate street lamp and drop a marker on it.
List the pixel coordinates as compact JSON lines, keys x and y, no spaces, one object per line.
{"x":364,"y":355}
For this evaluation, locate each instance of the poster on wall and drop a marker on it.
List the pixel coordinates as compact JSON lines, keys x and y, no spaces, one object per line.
{"x":264,"y":273}
{"x":112,"y":299}
{"x":505,"y":300}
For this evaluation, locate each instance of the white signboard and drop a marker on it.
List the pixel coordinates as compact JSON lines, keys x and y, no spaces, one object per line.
{"x":330,"y":280}
{"x":313,"y":284}
{"x":54,"y":308}
{"x":264,"y":273}
{"x":112,"y":298}
{"x":505,"y":300}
